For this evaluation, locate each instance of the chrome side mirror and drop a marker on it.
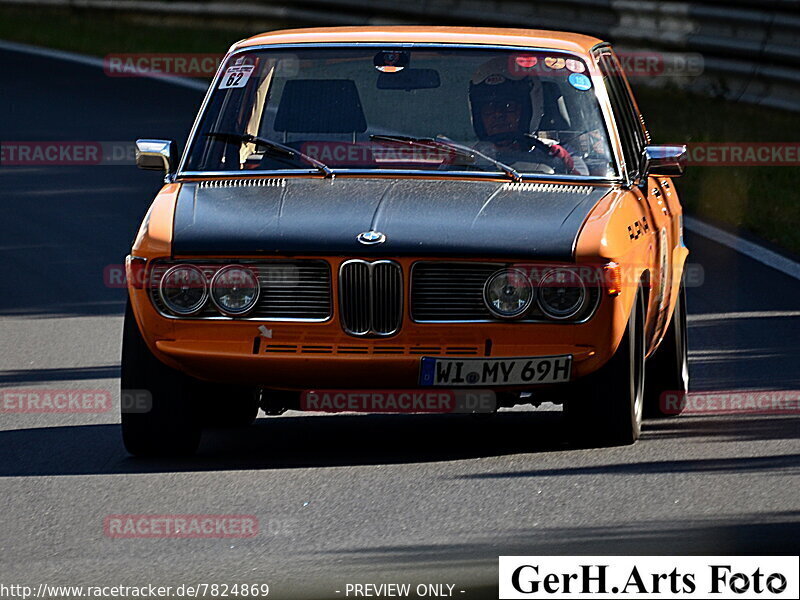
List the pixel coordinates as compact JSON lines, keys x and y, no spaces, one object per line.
{"x":664,"y":161}
{"x":157,"y":155}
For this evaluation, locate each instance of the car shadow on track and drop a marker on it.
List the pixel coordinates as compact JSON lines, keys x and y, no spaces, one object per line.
{"x":734,"y":428}
{"x":755,"y":534}
{"x":342,"y":440}
{"x":290,"y":442}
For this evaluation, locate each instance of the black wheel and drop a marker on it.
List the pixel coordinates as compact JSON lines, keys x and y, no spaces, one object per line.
{"x":605,"y":408}
{"x":226,"y":406}
{"x":158,"y":418}
{"x":668,"y":368}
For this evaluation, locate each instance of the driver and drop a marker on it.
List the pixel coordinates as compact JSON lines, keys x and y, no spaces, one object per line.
{"x":506,"y":108}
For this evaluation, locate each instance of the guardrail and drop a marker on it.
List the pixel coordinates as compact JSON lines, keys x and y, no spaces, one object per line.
{"x":750,"y":50}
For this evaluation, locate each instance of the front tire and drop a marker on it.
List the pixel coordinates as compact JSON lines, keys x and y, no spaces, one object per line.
{"x":605,"y":408}
{"x":668,"y":368}
{"x":163,"y":421}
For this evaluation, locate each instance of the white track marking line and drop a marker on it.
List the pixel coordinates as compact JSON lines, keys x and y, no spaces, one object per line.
{"x":93,"y":61}
{"x":769,"y":314}
{"x":750,"y":249}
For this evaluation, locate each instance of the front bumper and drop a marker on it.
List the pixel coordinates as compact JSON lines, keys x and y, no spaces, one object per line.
{"x":314,"y":369}
{"x":303,"y":356}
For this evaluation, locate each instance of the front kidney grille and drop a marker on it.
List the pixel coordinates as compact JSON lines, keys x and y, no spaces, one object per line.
{"x":371,"y":297}
{"x":387,"y":297}
{"x":354,"y":291}
{"x":290,"y":290}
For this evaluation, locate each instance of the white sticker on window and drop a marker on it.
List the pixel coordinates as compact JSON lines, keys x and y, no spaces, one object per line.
{"x":236,"y":77}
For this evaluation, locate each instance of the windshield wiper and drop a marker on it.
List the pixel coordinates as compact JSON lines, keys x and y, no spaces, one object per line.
{"x":276,"y":148}
{"x":459,"y":149}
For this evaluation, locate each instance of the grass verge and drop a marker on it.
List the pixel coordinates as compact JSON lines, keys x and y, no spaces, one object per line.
{"x":762,"y":200}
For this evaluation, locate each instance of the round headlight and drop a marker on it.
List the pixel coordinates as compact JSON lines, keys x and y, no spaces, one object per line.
{"x":234,"y":290}
{"x":508,"y":293}
{"x":562,"y":294}
{"x":183,"y":289}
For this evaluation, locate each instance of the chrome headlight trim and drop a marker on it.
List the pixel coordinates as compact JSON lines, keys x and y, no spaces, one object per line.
{"x":517,"y":314}
{"x":226,"y":311}
{"x":564,"y":315}
{"x":196,"y":308}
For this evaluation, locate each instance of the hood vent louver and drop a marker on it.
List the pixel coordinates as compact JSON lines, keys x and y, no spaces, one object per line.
{"x":242,"y":183}
{"x":548,"y":188}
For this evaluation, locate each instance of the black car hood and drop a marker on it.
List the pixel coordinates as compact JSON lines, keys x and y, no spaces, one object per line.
{"x":418,"y":217}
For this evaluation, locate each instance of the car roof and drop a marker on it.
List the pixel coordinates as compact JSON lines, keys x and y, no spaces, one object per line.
{"x":557,"y":40}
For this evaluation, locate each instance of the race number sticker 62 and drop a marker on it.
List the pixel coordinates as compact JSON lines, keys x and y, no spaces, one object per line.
{"x":236,"y":77}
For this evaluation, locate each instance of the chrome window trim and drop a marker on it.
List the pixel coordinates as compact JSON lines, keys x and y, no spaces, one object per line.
{"x":583,"y":179}
{"x":588,"y":59}
{"x":371,"y":333}
{"x":497,"y":321}
{"x":624,"y":171}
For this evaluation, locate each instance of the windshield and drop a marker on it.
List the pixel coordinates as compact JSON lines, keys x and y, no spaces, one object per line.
{"x":423,"y":108}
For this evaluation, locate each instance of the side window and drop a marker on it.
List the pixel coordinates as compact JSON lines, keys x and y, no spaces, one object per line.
{"x":625,"y":114}
{"x":638,"y":122}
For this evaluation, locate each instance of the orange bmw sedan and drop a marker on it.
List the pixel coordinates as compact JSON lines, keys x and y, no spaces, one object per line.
{"x":407,"y":213}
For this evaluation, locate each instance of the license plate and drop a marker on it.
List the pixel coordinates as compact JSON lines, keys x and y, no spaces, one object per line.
{"x":495,"y":371}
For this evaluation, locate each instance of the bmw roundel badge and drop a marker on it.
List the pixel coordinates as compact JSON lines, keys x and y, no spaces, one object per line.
{"x":371,"y":237}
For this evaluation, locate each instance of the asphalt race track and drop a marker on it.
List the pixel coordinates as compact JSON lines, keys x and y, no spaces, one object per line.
{"x":341,"y":499}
